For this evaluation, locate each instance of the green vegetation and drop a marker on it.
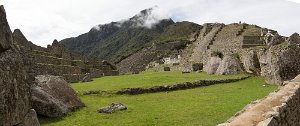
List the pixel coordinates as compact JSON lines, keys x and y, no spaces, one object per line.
{"x":206,"y":106}
{"x":284,"y":45}
{"x":236,"y":55}
{"x":178,"y":31}
{"x":217,"y":54}
{"x":118,"y":41}
{"x":145,"y":80}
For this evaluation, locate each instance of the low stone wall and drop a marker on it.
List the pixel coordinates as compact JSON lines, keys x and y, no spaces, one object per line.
{"x":280,"y":108}
{"x":57,"y":70}
{"x":73,"y":78}
{"x":180,"y":86}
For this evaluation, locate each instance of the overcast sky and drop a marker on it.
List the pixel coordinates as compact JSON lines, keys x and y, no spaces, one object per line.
{"x":42,"y":21}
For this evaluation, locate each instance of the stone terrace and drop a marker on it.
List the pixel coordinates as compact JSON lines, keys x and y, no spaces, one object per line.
{"x":59,"y":61}
{"x":228,"y":39}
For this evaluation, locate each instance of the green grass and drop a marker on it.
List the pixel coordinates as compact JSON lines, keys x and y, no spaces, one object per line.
{"x":145,"y":80}
{"x":205,"y":106}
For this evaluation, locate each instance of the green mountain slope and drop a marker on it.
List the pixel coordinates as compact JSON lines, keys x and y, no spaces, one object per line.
{"x":118,"y":40}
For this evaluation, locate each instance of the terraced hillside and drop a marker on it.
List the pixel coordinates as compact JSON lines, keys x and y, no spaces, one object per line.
{"x":59,"y":61}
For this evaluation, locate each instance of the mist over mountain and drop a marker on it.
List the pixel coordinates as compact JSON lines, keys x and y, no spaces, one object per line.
{"x":117,"y":40}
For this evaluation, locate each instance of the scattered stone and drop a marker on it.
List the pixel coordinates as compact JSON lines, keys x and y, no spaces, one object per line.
{"x":229,"y":65}
{"x":112,"y":108}
{"x":87,"y":78}
{"x":54,"y":97}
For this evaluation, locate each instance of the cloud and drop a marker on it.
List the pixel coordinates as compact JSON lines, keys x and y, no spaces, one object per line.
{"x":296,"y":1}
{"x":151,"y":17}
{"x":42,"y":21}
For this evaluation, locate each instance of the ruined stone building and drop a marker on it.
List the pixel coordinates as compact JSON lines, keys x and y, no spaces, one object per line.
{"x":59,"y":61}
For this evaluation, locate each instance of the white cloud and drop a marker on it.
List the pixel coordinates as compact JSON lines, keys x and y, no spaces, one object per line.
{"x":152,"y":17}
{"x":297,"y":1}
{"x":45,"y":20}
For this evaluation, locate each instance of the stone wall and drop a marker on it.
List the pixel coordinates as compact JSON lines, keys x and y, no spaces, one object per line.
{"x":58,"y":61}
{"x":280,"y":108}
{"x":138,"y":61}
{"x":180,"y":86}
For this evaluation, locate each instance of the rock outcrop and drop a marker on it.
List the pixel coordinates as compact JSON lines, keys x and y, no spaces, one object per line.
{"x":229,"y":65}
{"x":280,"y":63}
{"x":294,"y":39}
{"x":5,"y":32}
{"x":30,"y":119}
{"x":16,"y":78}
{"x":54,"y":97}
{"x":212,"y":65}
{"x":251,"y":62}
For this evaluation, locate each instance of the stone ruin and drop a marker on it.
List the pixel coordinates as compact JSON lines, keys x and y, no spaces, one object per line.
{"x":16,"y":78}
{"x":260,"y":51}
{"x":27,"y":84}
{"x":58,"y":61}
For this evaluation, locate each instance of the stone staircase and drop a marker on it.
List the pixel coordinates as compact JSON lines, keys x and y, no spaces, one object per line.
{"x":252,"y":37}
{"x":228,"y":38}
{"x":201,"y":45}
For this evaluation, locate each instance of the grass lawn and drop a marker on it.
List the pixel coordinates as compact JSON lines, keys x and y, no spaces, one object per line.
{"x":204,"y":106}
{"x":144,"y":80}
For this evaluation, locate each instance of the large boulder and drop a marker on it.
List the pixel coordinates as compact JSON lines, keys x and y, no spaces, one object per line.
{"x":212,"y":65}
{"x":251,"y":62}
{"x":16,"y":77}
{"x":229,"y":65}
{"x":294,"y":39}
{"x":279,"y":64}
{"x":6,"y":39}
{"x":30,"y":119}
{"x":54,"y":97}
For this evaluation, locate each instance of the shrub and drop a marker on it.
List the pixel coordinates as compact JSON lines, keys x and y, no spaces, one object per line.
{"x":217,"y":54}
{"x":236,"y":55}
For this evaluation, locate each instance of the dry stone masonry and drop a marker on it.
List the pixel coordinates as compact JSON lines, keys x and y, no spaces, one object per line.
{"x":59,"y":61}
{"x":280,"y":108}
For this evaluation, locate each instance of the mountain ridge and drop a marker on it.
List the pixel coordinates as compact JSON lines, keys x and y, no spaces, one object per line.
{"x":117,"y":40}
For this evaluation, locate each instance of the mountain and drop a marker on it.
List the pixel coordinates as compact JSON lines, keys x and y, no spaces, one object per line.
{"x":118,"y":40}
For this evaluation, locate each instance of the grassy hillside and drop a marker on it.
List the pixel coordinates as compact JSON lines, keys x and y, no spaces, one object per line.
{"x":206,"y":106}
{"x":178,"y":31}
